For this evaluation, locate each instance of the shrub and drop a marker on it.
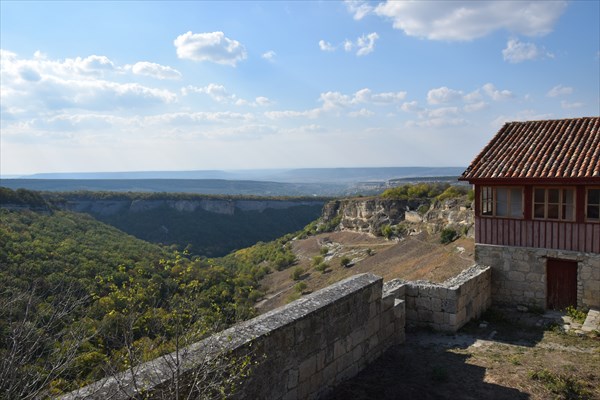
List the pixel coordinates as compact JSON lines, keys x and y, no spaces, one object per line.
{"x":324,"y":250}
{"x":317,"y":260}
{"x":297,"y":273}
{"x":447,"y":235}
{"x":387,"y":231}
{"x":322,"y":267}
{"x":369,"y":251}
{"x":575,"y":314}
{"x":300,"y":287}
{"x":345,"y":261}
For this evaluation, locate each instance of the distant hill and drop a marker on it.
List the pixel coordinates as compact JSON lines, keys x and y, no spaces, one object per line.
{"x":275,"y":182}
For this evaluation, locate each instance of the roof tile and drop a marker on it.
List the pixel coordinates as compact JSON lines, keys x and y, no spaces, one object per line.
{"x":562,"y":148}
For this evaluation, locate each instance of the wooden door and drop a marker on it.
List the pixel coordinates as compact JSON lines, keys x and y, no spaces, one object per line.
{"x":561,"y":278}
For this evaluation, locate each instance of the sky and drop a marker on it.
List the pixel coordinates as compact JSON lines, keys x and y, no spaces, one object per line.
{"x":163,"y":86}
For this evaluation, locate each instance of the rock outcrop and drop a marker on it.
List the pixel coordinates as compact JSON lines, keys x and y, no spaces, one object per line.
{"x":217,"y":205}
{"x":370,"y":214}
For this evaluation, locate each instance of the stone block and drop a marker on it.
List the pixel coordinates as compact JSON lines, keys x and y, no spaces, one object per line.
{"x":357,"y":353}
{"x":372,"y":327}
{"x":291,"y":395}
{"x":307,"y":368}
{"x":339,"y":348}
{"x":436,"y":304}
{"x":516,"y":276}
{"x":438,"y":317}
{"x":292,"y":381}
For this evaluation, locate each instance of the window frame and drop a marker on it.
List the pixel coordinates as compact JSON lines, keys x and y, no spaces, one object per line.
{"x":486,"y":202}
{"x":560,"y":204}
{"x":587,"y":219}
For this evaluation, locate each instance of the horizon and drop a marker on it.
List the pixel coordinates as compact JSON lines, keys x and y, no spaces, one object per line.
{"x":135,"y":87}
{"x":247,"y":170}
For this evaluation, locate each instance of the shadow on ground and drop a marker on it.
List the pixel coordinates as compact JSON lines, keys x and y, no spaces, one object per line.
{"x":437,"y":366}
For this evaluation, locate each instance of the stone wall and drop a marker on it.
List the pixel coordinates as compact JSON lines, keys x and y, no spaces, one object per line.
{"x":302,"y":349}
{"x":447,"y":306}
{"x":519,"y":274}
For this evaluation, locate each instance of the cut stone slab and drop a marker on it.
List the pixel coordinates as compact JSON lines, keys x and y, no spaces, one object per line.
{"x":592,"y":321}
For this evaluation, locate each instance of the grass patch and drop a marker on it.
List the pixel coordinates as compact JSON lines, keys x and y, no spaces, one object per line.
{"x":563,"y":386}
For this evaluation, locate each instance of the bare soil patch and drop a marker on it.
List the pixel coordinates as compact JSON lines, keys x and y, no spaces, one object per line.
{"x":511,"y":358}
{"x":412,"y":258}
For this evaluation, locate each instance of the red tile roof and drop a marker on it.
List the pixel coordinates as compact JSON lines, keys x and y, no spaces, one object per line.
{"x":562,"y":148}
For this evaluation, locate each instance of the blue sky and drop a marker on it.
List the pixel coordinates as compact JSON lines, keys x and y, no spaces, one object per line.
{"x":143,"y":86}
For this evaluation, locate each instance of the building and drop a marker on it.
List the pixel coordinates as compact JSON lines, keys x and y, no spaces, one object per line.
{"x":537,"y":212}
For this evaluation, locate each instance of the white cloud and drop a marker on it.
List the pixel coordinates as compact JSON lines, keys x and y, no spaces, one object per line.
{"x":262,"y":101}
{"x":311,"y":114}
{"x":366,"y":44}
{"x":496,"y":94}
{"x":219,"y":94}
{"x":358,"y":8}
{"x":524,"y":115}
{"x":209,"y":46}
{"x":567,"y":105}
{"x":39,"y":85}
{"x":436,"y":122}
{"x":365,"y":96}
{"x":472,"y":97}
{"x":363,"y":112}
{"x":443,"y":95}
{"x":326,"y":46}
{"x":442,"y":112}
{"x":559,"y":90}
{"x":468,"y":20}
{"x":411,"y":106}
{"x":480,"y":105}
{"x":348,"y":45}
{"x":269,"y":55}
{"x":517,"y":51}
{"x":332,"y":100}
{"x":216,"y":92}
{"x":155,"y":70}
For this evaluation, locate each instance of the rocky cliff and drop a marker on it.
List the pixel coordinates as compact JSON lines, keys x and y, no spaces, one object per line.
{"x":213,"y":205}
{"x":371,"y":214}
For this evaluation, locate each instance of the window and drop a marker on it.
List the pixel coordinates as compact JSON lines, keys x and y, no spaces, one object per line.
{"x":593,"y":204}
{"x":502,"y":201}
{"x":554,"y":203}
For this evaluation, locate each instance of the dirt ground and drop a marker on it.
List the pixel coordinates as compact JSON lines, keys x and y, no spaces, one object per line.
{"x":415,"y":257}
{"x":516,"y":356}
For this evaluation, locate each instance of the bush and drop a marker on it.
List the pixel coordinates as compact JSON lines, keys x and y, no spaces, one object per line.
{"x":369,"y":251}
{"x":297,"y":273}
{"x":300,"y":287}
{"x":387,"y":231}
{"x":447,"y":235}
{"x":317,"y":260}
{"x":345,"y":261}
{"x":324,"y":250}
{"x":322,"y":267}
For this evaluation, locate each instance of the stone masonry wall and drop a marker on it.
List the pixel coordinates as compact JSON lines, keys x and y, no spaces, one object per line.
{"x":519,"y":274}
{"x":447,"y":306}
{"x":303,"y":349}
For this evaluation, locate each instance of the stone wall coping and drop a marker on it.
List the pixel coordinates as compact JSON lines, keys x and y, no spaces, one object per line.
{"x":235,"y":337}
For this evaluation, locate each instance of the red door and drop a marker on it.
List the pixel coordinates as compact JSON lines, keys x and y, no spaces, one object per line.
{"x":561,"y":278}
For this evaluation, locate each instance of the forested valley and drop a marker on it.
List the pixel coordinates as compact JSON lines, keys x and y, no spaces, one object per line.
{"x":80,"y":299}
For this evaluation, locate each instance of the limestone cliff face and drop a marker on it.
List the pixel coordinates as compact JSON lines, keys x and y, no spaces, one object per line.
{"x":370,"y":214}
{"x":367,"y":214}
{"x":218,"y":206}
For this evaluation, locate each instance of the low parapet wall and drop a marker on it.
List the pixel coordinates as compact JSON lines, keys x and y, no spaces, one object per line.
{"x":446,"y":306}
{"x":302,"y":349}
